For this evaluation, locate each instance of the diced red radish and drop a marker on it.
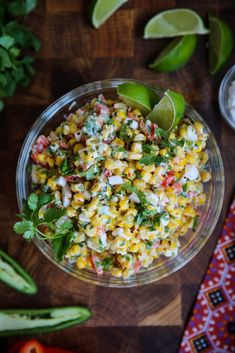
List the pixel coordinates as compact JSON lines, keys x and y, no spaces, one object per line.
{"x":137,"y":265}
{"x":66,"y":195}
{"x":107,"y":173}
{"x":97,"y":264}
{"x":42,"y":140}
{"x":115,"y":180}
{"x":177,"y":187}
{"x":61,"y":181}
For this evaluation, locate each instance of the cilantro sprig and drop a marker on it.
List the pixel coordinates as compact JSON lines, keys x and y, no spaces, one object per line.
{"x":34,"y":220}
{"x":16,"y":68}
{"x":140,"y":194}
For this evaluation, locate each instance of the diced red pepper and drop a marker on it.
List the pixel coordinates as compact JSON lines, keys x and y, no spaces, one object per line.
{"x":167,"y":181}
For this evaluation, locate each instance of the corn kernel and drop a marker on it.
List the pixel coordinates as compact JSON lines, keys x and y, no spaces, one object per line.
{"x":189,"y":211}
{"x":50,"y":162}
{"x":77,"y":147}
{"x":146,"y":176}
{"x":71,"y":212}
{"x":134,"y":156}
{"x":75,"y":250}
{"x":205,"y":175}
{"x":42,"y":158}
{"x":136,"y":147}
{"x":81,"y":262}
{"x":59,"y":160}
{"x":139,"y":184}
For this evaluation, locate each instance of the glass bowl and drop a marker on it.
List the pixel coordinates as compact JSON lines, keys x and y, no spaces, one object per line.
{"x":191,"y":243}
{"x":223,"y":97}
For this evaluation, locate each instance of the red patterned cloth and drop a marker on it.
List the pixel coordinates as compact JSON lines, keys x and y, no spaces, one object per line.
{"x":211,"y":329}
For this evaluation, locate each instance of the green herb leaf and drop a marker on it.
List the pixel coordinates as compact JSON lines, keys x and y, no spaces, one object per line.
{"x":33,"y":201}
{"x":149,"y":160}
{"x":53,"y":214}
{"x":7,"y":41}
{"x":22,"y":36}
{"x":22,"y":227}
{"x":140,"y":194}
{"x":5,"y":60}
{"x":61,"y":245}
{"x":126,"y":133}
{"x":62,"y":225}
{"x":65,"y":168}
{"x":43,"y":199}
{"x":21,"y":7}
{"x":29,"y":234}
{"x":107,"y":263}
{"x":90,"y":173}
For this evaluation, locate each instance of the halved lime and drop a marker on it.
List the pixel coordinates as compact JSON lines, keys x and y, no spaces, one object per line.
{"x":172,"y":23}
{"x":220,"y":43}
{"x":175,"y":55}
{"x":168,"y":112}
{"x":101,"y":10}
{"x":138,"y":96}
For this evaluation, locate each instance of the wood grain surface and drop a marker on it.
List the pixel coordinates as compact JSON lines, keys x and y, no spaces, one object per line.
{"x":149,"y":318}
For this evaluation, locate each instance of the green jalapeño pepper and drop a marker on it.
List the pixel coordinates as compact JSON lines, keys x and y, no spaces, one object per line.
{"x":35,"y":321}
{"x":15,"y":276}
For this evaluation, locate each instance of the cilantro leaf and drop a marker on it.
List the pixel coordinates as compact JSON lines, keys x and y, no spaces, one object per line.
{"x":21,"y":7}
{"x":65,"y":168}
{"x":29,"y":234}
{"x":150,"y":159}
{"x":7,"y":41}
{"x":22,"y":36}
{"x":90,"y":173}
{"x":107,"y":263}
{"x":43,"y":199}
{"x":32,"y":201}
{"x":61,"y":245}
{"x":53,"y":214}
{"x":22,"y":227}
{"x":140,"y":194}
{"x":63,"y":225}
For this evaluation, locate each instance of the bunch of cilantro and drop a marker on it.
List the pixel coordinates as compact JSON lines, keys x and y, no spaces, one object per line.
{"x":33,"y":222}
{"x":16,"y":68}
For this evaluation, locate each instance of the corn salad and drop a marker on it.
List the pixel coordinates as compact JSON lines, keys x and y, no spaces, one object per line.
{"x":130,"y":188}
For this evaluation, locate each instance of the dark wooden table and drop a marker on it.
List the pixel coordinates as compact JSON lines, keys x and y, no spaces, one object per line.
{"x":145,"y":319}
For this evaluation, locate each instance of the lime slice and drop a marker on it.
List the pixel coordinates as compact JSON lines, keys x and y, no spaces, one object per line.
{"x":138,"y":96}
{"x":101,"y":10}
{"x":172,"y":23}
{"x":175,"y":55}
{"x":220,"y":43}
{"x":168,"y":112}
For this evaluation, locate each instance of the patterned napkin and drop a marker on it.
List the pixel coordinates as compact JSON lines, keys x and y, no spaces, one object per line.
{"x":211,"y":328}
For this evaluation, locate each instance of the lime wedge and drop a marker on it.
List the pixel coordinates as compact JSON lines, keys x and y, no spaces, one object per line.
{"x":220,"y":43}
{"x":172,"y":23}
{"x":168,"y":112}
{"x":101,"y":10}
{"x":175,"y":55}
{"x":138,"y":96}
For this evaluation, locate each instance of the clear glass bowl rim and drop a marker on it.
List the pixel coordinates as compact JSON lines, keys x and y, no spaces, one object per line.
{"x":223,"y":104}
{"x":147,"y":276}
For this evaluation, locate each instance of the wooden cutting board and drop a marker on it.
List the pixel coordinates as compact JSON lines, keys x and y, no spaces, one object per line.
{"x":147,"y":319}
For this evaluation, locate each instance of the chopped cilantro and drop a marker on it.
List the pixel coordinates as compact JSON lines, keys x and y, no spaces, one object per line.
{"x":65,"y":168}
